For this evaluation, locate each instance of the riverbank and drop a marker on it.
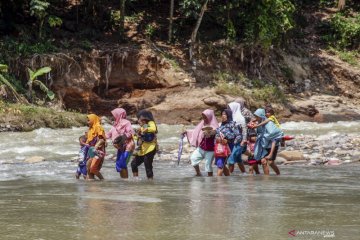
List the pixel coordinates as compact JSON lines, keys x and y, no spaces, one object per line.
{"x":181,"y":105}
{"x":20,"y":117}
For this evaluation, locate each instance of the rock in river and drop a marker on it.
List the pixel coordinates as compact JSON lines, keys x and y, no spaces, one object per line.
{"x":34,"y":159}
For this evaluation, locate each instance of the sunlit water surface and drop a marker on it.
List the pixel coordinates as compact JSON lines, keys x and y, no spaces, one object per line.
{"x":44,"y":201}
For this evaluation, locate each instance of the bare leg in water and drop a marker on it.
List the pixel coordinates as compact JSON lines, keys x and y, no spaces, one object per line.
{"x":242,"y":167}
{"x":274,"y":167}
{"x":124,"y":173}
{"x":265,"y":166}
{"x":197,"y":170}
{"x":231,"y":168}
{"x":99,"y":175}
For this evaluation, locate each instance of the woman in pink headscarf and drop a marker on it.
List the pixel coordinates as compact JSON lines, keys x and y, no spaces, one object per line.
{"x":121,"y":134}
{"x":203,"y":138}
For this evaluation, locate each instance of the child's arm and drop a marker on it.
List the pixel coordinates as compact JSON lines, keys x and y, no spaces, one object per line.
{"x":262,"y":123}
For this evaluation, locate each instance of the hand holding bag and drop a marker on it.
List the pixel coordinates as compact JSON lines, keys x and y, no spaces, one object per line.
{"x":222,"y":149}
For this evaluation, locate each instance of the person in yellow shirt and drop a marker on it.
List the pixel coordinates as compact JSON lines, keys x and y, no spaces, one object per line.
{"x":269,"y":113}
{"x":148,"y":144}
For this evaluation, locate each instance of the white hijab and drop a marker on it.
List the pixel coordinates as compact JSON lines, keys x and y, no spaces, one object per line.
{"x":236,"y":113}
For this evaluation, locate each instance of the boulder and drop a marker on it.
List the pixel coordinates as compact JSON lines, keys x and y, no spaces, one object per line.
{"x":215,"y":101}
{"x":280,"y":160}
{"x":34,"y":159}
{"x":292,"y":155}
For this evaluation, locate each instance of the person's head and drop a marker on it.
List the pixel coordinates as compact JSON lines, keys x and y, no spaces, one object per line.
{"x":260,"y":114}
{"x":118,"y":114}
{"x":234,"y":107}
{"x":252,"y":137}
{"x":119,"y":141}
{"x":226,"y":116}
{"x":92,"y":119}
{"x":145,"y":114}
{"x":143,"y":121}
{"x":269,"y":111}
{"x":204,"y":117}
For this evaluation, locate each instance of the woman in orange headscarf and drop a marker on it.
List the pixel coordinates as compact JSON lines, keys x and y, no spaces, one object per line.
{"x":97,"y":151}
{"x":96,"y":131}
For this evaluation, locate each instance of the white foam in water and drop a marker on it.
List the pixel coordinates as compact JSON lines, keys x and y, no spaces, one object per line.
{"x":25,"y":149}
{"x":67,"y":153}
{"x":318,"y":126}
{"x":127,"y":198}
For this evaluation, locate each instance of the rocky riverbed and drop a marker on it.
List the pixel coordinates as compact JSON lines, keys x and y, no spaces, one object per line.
{"x":330,"y":144}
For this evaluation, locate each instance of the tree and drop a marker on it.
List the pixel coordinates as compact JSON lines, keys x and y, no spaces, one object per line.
{"x":196,"y":29}
{"x":341,"y":4}
{"x":38,"y":9}
{"x":171,"y":20}
{"x":122,"y":18}
{"x":33,"y":80}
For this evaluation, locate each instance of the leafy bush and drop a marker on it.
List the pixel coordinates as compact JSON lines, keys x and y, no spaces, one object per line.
{"x":115,"y":19}
{"x":346,"y":30}
{"x":257,"y":95}
{"x":267,"y":21}
{"x":54,"y":21}
{"x":150,"y":30}
{"x":11,"y":48}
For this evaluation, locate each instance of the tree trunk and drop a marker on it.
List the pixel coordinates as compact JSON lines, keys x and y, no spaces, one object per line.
{"x":122,"y":18}
{"x":341,"y":4}
{"x":195,"y":31}
{"x":30,"y":91}
{"x":171,"y":20}
{"x":228,"y":10}
{"x":41,"y":24}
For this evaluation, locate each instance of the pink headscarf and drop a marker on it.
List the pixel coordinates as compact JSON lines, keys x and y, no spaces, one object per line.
{"x":196,"y":135}
{"x":121,"y":126}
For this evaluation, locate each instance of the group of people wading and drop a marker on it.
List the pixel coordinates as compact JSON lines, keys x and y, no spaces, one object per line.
{"x":123,"y":138}
{"x":240,"y":132}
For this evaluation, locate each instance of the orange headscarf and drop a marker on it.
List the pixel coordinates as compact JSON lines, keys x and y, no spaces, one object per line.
{"x":95,"y":129}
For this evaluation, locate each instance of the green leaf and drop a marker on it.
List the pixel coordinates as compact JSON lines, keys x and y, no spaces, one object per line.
{"x":40,"y":72}
{"x":3,"y":68}
{"x":7,"y":83}
{"x":31,"y":74}
{"x":45,"y":89}
{"x":51,"y":95}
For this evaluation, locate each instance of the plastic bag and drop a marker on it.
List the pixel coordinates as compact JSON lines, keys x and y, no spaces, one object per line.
{"x":222,"y":150}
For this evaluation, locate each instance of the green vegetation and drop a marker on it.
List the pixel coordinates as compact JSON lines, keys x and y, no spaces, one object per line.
{"x":11,"y":48}
{"x":29,"y":117}
{"x":346,"y":30}
{"x":288,"y":72}
{"x":350,"y":57}
{"x":247,"y":37}
{"x":33,"y":80}
{"x":254,"y":91}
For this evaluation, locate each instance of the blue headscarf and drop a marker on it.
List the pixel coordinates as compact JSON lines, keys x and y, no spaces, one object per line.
{"x":260,"y":113}
{"x":265,"y":135}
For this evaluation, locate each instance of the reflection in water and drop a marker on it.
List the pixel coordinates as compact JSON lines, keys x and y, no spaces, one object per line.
{"x":173,"y":207}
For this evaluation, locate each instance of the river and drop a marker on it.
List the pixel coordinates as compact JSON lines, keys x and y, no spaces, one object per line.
{"x":44,"y":201}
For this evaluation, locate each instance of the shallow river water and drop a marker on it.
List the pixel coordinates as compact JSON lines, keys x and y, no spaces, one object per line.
{"x":44,"y":201}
